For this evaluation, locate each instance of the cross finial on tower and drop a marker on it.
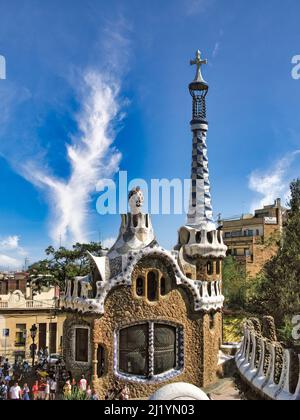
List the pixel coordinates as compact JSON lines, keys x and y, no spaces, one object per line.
{"x":198,"y":62}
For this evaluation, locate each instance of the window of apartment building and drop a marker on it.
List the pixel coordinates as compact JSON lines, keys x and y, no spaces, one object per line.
{"x":236,"y":233}
{"x":257,"y":232}
{"x":81,"y":345}
{"x":262,"y":214}
{"x":227,"y":234}
{"x":3,"y":288}
{"x":42,"y":336}
{"x":148,"y":349}
{"x":5,"y":333}
{"x":20,"y":335}
{"x":250,"y":232}
{"x":53,"y":337}
{"x":247,"y":252}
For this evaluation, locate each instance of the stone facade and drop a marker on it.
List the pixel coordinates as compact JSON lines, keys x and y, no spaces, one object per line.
{"x":201,"y":338}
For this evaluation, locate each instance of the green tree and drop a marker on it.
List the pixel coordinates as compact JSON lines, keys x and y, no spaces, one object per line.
{"x":278,"y":288}
{"x":62,"y":264}
{"x":234,"y":283}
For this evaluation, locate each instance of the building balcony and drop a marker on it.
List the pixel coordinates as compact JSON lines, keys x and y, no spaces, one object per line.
{"x":29,"y":304}
{"x":241,"y":237}
{"x":243,"y":258}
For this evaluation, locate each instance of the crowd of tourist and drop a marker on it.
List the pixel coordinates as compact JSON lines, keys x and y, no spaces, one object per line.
{"x":79,"y":390}
{"x":41,"y":382}
{"x":48,"y":382}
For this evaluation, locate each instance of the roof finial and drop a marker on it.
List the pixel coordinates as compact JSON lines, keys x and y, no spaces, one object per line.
{"x":198,"y":62}
{"x":136,"y":200}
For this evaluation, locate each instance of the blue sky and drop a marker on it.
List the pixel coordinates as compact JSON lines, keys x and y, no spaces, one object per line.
{"x":86,"y":73}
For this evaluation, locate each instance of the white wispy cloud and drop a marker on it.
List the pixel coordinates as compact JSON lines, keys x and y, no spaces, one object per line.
{"x":10,"y":97}
{"x":12,"y":254}
{"x":216,"y":49}
{"x":272,"y":183}
{"x":9,"y":263}
{"x":91,"y":157}
{"x":10,"y":242}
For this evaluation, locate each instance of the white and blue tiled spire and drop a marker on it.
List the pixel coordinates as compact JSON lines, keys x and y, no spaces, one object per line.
{"x":200,"y":213}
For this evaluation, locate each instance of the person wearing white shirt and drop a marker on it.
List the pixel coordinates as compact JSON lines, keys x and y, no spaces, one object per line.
{"x":15,"y":392}
{"x":53,"y":389}
{"x":83,"y":384}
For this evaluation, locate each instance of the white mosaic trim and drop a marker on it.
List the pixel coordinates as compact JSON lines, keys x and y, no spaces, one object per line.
{"x":203,"y":300}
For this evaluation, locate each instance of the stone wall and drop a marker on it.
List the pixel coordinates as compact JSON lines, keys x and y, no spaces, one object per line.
{"x":122,"y":307}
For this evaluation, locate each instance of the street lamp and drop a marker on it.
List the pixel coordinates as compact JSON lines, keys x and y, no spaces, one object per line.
{"x":33,"y":331}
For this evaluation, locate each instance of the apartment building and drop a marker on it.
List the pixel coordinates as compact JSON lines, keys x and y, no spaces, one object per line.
{"x":251,"y":238}
{"x":21,"y":307}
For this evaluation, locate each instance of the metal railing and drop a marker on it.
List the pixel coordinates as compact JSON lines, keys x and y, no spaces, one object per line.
{"x":30,"y":304}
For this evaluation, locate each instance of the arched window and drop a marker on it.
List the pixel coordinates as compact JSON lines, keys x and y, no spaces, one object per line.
{"x":198,"y":237}
{"x":210,"y":268}
{"x":149,"y":349}
{"x":140,"y":286}
{"x":152,"y":286}
{"x":210,"y":237}
{"x":184,"y":236}
{"x":135,"y":220}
